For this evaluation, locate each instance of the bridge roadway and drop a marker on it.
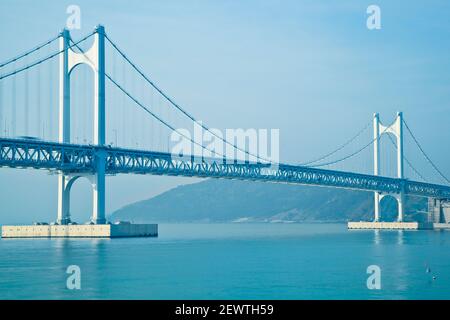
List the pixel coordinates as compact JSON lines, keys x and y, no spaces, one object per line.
{"x":78,"y":159}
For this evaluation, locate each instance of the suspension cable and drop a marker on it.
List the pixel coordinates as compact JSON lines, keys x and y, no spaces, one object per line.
{"x":38,"y":47}
{"x":339,"y":148}
{"x":424,"y":154}
{"x":407,"y":161}
{"x":350,"y":155}
{"x":26,"y":67}
{"x":156,"y":117}
{"x":146,"y":109}
{"x":179,"y":107}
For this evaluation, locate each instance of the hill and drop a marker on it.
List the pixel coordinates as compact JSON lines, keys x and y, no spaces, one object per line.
{"x":231,"y":200}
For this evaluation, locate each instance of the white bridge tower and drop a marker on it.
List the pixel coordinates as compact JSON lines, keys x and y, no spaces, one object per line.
{"x":396,"y":129}
{"x":68,"y":60}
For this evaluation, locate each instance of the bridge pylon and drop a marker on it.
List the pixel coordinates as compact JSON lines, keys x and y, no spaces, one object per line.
{"x":396,"y":129}
{"x":69,"y":59}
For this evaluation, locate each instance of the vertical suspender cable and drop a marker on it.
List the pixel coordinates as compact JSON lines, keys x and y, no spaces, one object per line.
{"x":50,"y":100}
{"x":124,"y":113}
{"x":13,"y":106}
{"x":38,"y":102}
{"x":1,"y":107}
{"x":26,"y":100}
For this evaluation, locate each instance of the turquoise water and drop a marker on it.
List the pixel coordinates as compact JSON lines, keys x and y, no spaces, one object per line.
{"x":232,"y":261}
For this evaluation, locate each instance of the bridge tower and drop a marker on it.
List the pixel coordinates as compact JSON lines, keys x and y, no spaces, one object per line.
{"x":396,"y":129}
{"x":68,"y":60}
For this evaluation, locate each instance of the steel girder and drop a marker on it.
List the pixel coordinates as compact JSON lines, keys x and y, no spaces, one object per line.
{"x":147,"y":162}
{"x":17,"y":153}
{"x":69,"y":158}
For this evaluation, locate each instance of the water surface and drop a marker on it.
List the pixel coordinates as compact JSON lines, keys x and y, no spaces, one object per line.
{"x":232,"y":261}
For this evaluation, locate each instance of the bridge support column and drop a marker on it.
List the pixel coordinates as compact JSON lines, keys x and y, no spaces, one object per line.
{"x":63,"y":199}
{"x":64,"y":88}
{"x":98,"y":184}
{"x":98,"y":190}
{"x":400,"y":170}
{"x":64,"y":125}
{"x":377,"y":207}
{"x":99,"y":88}
{"x":401,"y":206}
{"x":376,"y":161}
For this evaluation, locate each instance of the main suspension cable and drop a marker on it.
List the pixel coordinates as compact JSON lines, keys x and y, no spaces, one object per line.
{"x":339,"y":148}
{"x":424,"y":154}
{"x":17,"y":71}
{"x":38,"y":47}
{"x":350,"y":155}
{"x":156,"y":117}
{"x":179,"y":107}
{"x":407,"y":161}
{"x":149,"y":111}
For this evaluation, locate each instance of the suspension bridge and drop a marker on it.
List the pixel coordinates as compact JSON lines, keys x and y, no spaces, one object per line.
{"x":137,"y":118}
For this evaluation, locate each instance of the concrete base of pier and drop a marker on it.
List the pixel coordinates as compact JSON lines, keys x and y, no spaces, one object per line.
{"x":391,"y":225}
{"x":445,"y":226}
{"x":81,"y":231}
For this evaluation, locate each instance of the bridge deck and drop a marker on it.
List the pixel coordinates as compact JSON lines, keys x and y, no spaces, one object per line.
{"x":79,"y":159}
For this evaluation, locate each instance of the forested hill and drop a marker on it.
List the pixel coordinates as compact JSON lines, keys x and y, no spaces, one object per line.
{"x":231,"y":200}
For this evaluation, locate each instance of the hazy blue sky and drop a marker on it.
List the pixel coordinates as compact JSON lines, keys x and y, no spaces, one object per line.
{"x":310,"y":68}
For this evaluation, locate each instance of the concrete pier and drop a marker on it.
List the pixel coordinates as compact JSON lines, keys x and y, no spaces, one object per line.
{"x":441,"y":226}
{"x":81,"y":231}
{"x":390,"y":225}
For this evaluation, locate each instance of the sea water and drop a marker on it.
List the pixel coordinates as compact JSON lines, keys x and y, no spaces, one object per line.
{"x":232,"y":261}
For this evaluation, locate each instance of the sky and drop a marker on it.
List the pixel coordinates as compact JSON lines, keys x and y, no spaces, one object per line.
{"x":309,"y":68}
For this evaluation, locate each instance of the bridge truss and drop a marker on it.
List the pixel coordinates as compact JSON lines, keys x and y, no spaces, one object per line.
{"x":76,"y":159}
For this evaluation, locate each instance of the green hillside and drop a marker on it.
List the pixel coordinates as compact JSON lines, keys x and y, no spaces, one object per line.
{"x":230,"y":200}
